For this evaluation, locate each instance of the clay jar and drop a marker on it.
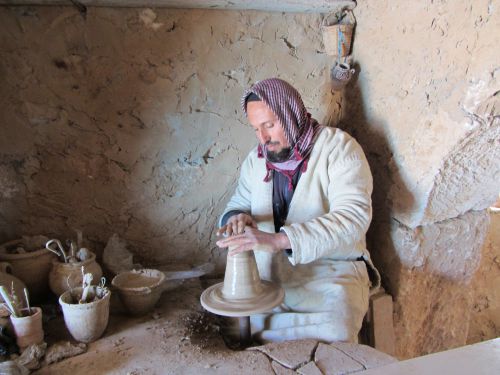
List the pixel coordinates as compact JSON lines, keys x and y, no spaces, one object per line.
{"x":28,"y":329}
{"x":86,"y":321}
{"x":32,"y":268}
{"x":64,"y":276}
{"x":139,"y":290}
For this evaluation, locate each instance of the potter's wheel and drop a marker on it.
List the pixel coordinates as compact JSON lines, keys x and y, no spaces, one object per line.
{"x":214,"y":301}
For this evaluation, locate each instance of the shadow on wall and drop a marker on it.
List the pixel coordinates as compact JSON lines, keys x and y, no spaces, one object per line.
{"x":370,"y":135}
{"x":426,"y":269}
{"x":114,"y":126}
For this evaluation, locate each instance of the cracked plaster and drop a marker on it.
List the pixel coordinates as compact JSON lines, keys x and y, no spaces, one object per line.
{"x":129,"y":120}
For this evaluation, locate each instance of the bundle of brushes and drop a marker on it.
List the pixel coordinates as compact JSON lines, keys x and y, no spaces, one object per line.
{"x":13,"y":304}
{"x":90,"y":292}
{"x":74,"y":253}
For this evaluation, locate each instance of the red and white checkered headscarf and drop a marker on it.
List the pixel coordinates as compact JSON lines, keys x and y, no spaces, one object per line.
{"x":300,"y":128}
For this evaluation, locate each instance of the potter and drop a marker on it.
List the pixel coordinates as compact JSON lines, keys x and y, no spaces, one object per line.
{"x":303,"y":204}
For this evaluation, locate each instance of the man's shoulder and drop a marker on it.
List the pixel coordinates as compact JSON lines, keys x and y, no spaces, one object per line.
{"x":334,"y":139}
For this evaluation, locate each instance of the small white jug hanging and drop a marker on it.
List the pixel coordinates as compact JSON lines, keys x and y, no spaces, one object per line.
{"x":341,"y":74}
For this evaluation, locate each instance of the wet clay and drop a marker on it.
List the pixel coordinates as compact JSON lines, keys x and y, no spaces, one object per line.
{"x":242,"y":293}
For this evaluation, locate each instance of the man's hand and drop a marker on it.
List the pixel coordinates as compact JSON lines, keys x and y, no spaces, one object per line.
{"x":251,"y":237}
{"x":236,"y":225}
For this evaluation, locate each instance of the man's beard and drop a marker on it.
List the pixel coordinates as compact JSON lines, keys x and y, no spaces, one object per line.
{"x":280,"y":156}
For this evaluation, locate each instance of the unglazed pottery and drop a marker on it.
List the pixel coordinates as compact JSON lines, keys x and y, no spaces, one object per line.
{"x":28,"y":329}
{"x":65,"y":276}
{"x":242,"y":293}
{"x":32,"y":268}
{"x":86,"y":321}
{"x":139,"y":290}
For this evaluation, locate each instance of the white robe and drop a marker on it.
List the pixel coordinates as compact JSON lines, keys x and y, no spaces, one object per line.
{"x":325,"y":279}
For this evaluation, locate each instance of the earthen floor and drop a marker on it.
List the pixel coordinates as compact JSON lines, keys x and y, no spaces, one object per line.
{"x":179,"y":338}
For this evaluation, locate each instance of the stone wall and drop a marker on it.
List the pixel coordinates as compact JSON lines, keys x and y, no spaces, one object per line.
{"x":425,"y":108}
{"x":129,"y":120}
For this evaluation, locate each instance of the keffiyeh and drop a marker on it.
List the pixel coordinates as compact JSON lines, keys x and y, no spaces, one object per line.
{"x":300,"y":128}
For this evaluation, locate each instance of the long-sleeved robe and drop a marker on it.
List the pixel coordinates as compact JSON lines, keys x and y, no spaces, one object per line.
{"x":325,"y":276}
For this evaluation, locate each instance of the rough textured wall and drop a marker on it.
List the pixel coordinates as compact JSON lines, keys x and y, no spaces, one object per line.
{"x":485,"y":315}
{"x":425,"y":108}
{"x":129,"y":120}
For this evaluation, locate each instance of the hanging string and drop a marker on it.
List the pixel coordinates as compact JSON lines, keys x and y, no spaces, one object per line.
{"x":341,"y":42}
{"x":340,"y":37}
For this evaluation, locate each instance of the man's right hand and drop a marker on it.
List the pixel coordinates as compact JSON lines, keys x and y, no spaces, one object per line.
{"x":236,"y":225}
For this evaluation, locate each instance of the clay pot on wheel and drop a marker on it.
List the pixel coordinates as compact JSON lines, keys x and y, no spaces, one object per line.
{"x":64,"y":276}
{"x":31,"y":267}
{"x":28,"y":329}
{"x":86,"y":321}
{"x":139,"y":290}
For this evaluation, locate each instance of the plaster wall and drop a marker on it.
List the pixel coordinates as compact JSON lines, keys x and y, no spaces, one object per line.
{"x":129,"y":120}
{"x":429,"y":83}
{"x":426,"y":110}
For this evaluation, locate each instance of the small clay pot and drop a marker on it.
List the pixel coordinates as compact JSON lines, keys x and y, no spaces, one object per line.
{"x":32,"y":268}
{"x":86,"y":321}
{"x":28,"y":329}
{"x":139,"y":290}
{"x":64,"y":276}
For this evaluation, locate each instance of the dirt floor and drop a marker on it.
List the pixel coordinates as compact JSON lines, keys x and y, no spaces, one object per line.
{"x":178,"y":337}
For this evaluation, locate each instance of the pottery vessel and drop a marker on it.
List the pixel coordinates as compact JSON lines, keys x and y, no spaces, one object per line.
{"x":28,"y":329}
{"x":341,"y":74}
{"x":6,"y":279}
{"x":241,"y":279}
{"x":242,"y":293}
{"x":31,"y":267}
{"x":139,"y":290}
{"x":86,"y":321}
{"x":65,"y":276}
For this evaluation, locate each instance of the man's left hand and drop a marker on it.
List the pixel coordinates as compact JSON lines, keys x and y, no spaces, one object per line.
{"x":252,"y":237}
